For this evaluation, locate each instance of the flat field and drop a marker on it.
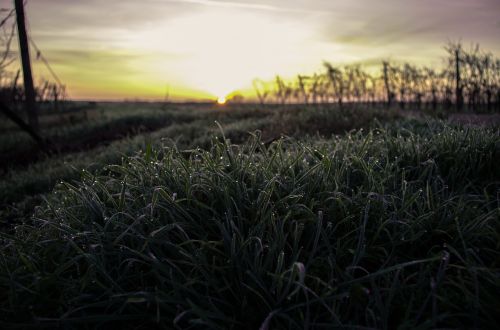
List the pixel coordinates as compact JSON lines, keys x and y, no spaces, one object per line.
{"x":197,"y":216}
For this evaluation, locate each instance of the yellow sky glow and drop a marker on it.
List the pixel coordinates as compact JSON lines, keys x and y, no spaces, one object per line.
{"x":206,"y":49}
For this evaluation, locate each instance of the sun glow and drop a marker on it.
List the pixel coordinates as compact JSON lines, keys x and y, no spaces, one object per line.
{"x":208,"y":48}
{"x":221,"y":100}
{"x":219,"y":51}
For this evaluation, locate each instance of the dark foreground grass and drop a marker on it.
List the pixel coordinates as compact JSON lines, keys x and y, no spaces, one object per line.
{"x":381,"y":229}
{"x":22,"y":187}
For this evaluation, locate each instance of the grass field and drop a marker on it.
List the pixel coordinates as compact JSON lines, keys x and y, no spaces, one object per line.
{"x":114,"y":131}
{"x":205,"y":217}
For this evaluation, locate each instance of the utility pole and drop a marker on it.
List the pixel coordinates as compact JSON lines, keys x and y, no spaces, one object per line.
{"x":29,"y":89}
{"x":458,"y":82}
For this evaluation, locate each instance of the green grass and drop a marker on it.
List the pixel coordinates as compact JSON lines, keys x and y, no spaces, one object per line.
{"x":22,"y":188}
{"x":106,"y":123}
{"x":390,"y":227}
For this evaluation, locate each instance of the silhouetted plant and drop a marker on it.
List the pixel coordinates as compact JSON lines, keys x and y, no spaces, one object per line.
{"x":470,"y":77}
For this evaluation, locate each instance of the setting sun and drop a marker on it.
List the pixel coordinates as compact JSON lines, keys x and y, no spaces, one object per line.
{"x":221,"y":100}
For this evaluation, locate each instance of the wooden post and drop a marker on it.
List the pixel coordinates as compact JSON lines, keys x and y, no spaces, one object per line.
{"x":55,"y":93}
{"x":29,"y":88}
{"x":387,"y":84}
{"x":459,"y":99}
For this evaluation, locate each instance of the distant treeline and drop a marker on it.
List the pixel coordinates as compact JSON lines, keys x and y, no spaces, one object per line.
{"x":469,"y":80}
{"x":48,"y":94}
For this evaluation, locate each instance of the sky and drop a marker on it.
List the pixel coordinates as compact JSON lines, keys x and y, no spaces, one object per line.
{"x":204,"y":49}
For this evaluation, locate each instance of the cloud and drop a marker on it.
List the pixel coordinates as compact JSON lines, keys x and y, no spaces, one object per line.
{"x":128,"y":45}
{"x":61,"y":16}
{"x":413,"y":30}
{"x":271,"y":6}
{"x":230,"y":4}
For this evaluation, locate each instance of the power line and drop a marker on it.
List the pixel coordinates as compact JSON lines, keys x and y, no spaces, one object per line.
{"x":6,"y":18}
{"x":39,"y":55}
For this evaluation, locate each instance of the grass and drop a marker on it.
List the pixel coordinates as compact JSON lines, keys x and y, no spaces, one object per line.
{"x":396,"y":226}
{"x":121,"y":131}
{"x":105,"y":124}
